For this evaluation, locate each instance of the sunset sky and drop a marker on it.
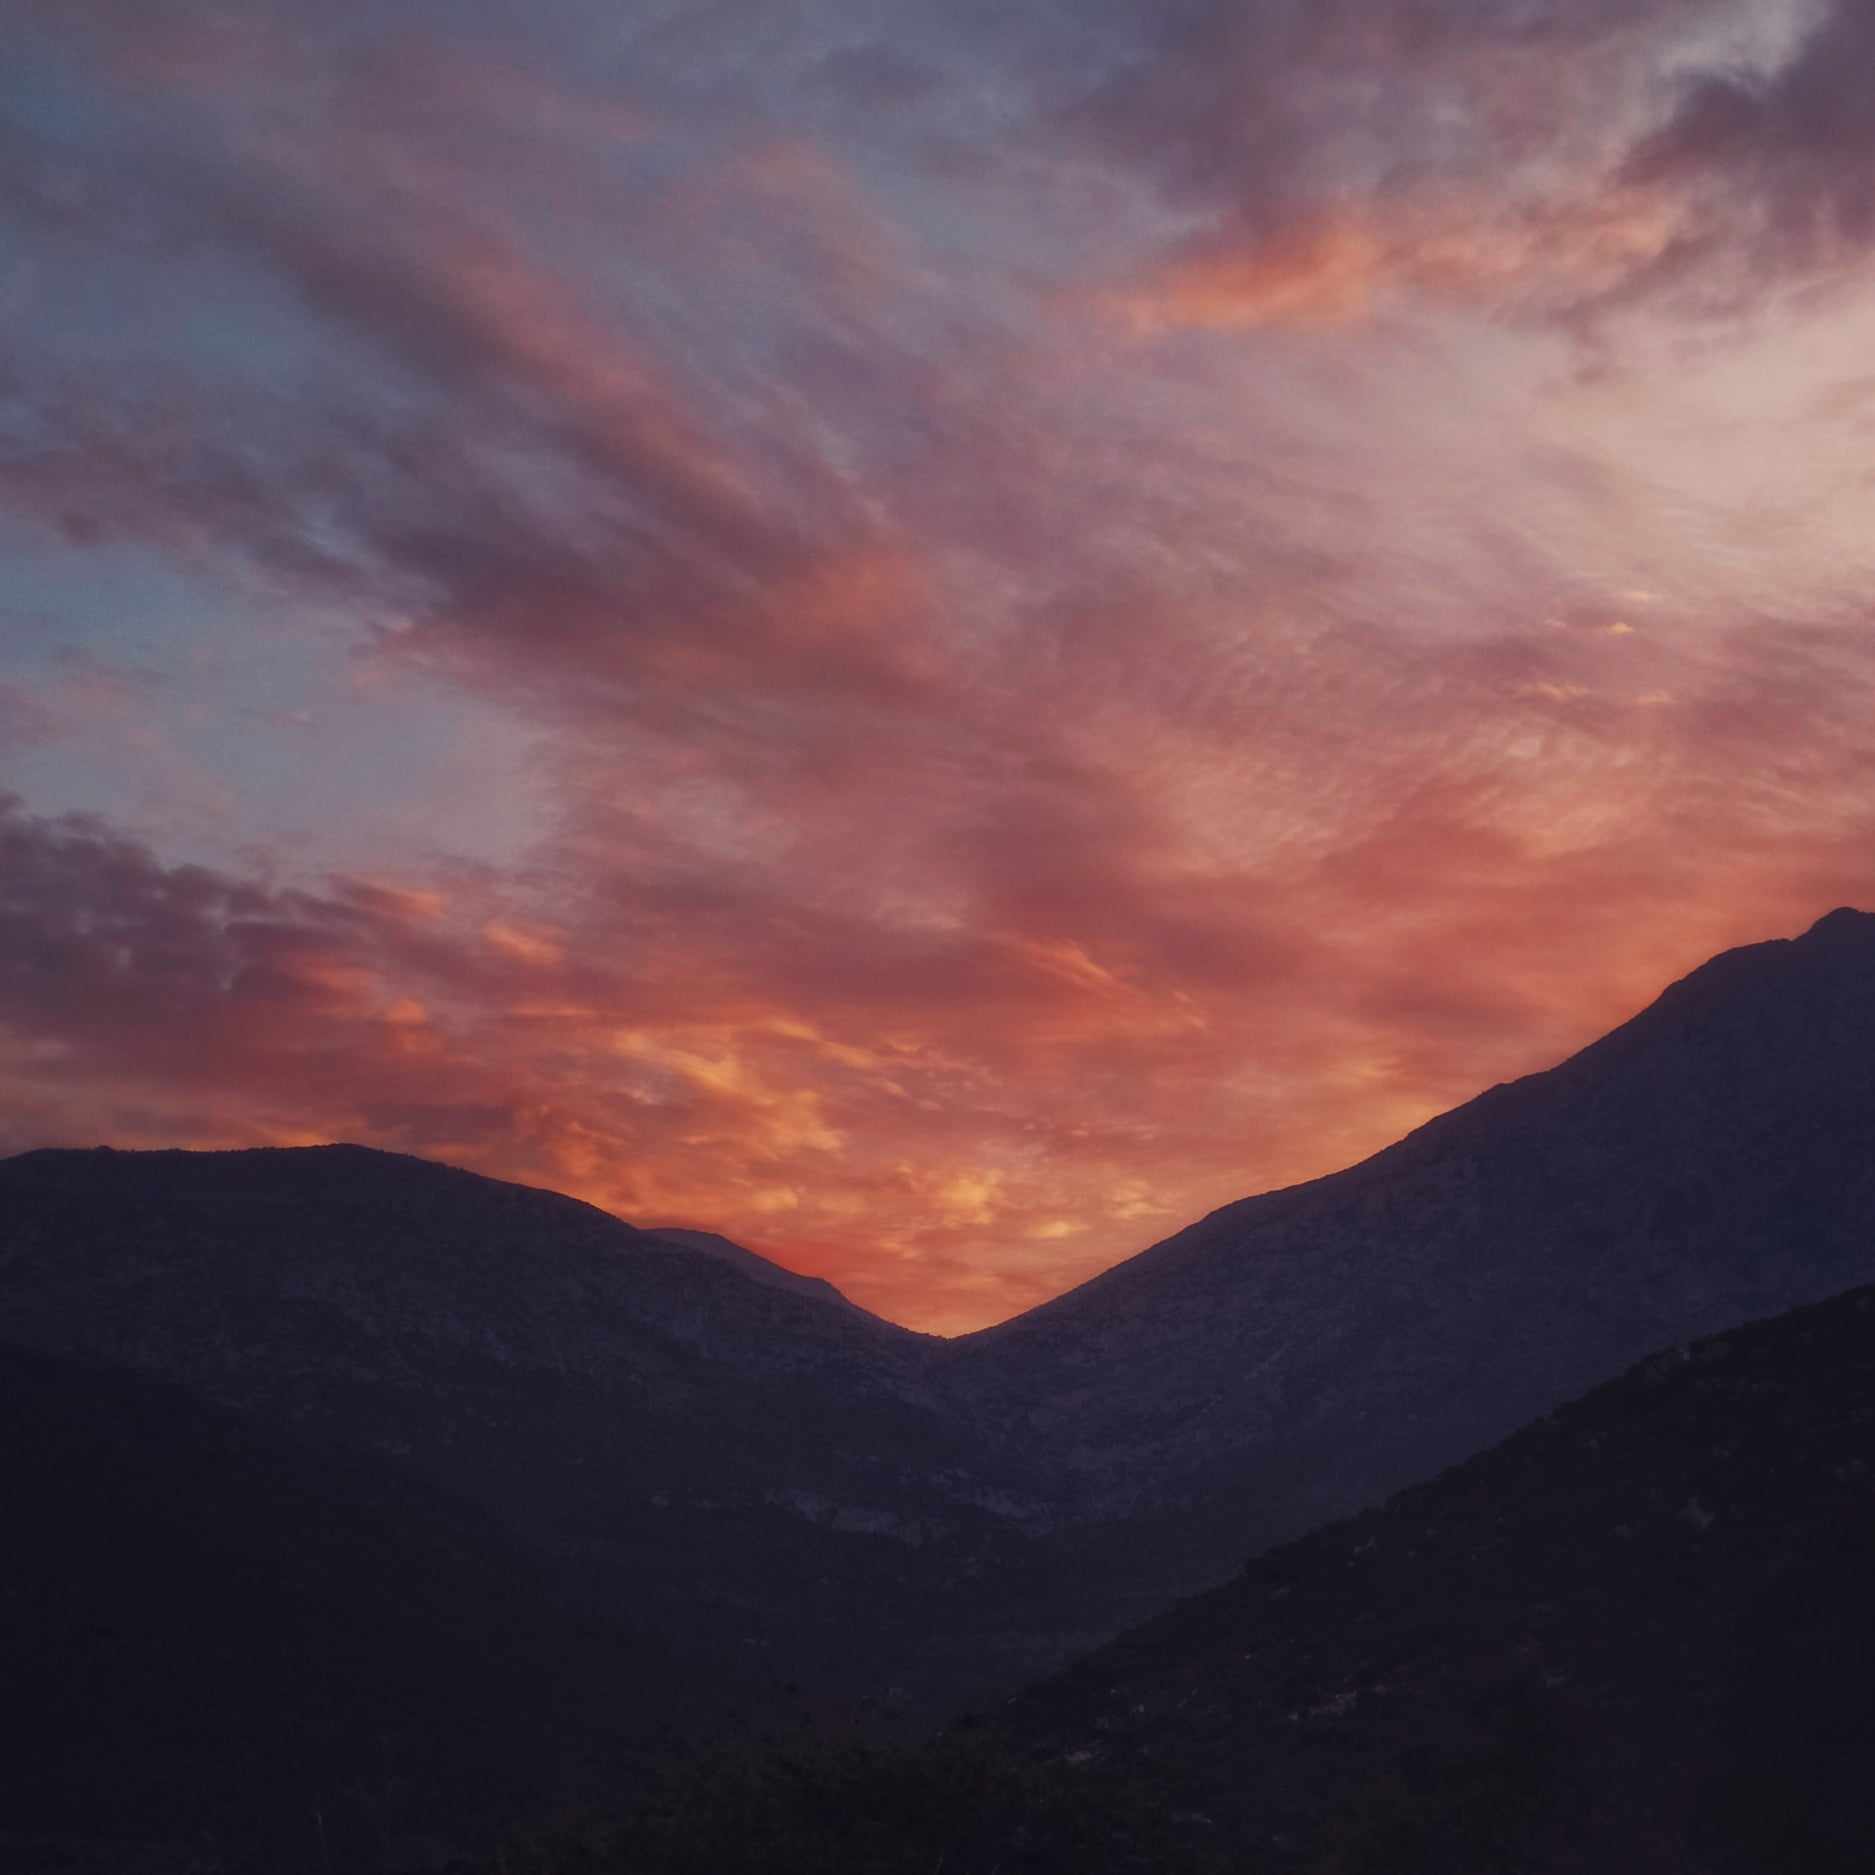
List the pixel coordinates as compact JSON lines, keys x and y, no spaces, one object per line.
{"x":936,"y":636}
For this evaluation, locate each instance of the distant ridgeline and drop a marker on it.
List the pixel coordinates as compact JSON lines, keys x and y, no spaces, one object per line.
{"x":369,"y":1509}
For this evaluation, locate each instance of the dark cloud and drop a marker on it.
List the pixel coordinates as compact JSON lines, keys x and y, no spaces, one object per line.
{"x":1782,"y":163}
{"x":1258,"y":108}
{"x":1549,"y":162}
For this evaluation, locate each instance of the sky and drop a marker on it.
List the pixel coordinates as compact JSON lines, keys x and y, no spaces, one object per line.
{"x":934,"y":636}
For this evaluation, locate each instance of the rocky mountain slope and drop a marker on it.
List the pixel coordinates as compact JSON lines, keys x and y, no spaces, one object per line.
{"x":1295,"y":1356}
{"x":1636,"y":1635}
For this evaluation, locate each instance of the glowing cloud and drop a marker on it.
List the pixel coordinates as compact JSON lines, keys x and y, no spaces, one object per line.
{"x":937,"y":650}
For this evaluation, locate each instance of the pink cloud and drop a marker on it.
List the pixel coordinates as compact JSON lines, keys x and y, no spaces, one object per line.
{"x":1006,"y":787}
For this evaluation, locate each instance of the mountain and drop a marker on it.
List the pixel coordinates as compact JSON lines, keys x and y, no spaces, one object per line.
{"x":1295,"y":1356}
{"x":1635,"y":1635}
{"x":750,"y":1489}
{"x":223,"y":1649}
{"x":730,"y":1504}
{"x":759,"y":1269}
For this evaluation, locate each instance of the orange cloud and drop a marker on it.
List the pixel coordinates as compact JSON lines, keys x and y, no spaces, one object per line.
{"x":523,"y":944}
{"x":1482,"y":246}
{"x":1322,"y":273}
{"x":410,"y":904}
{"x":1577,"y":248}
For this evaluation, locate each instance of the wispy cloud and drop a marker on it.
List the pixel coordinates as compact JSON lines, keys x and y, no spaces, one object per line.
{"x":937,"y":641}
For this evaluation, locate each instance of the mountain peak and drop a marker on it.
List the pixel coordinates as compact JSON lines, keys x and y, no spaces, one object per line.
{"x":1845,"y":923}
{"x":1303,"y":1352}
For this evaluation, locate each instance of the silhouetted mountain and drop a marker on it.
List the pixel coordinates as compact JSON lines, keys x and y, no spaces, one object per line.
{"x":709,"y":1243}
{"x":264,"y":1656}
{"x":778,"y":1509}
{"x":1295,"y":1356}
{"x":751,"y":1487}
{"x":1635,"y":1636}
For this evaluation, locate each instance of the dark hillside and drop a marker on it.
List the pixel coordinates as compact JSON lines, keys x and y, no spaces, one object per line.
{"x":750,"y":1486}
{"x":259,"y":1653}
{"x":1637,"y":1635}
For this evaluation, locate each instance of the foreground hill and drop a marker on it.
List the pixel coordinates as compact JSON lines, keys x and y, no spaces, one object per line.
{"x":1295,"y":1356}
{"x":1635,"y":1636}
{"x":242,"y":1653}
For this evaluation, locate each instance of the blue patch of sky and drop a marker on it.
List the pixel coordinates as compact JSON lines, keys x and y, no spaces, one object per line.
{"x":218,"y":728}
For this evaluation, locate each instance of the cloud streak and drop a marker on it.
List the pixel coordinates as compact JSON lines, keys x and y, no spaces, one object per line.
{"x":938,"y":643}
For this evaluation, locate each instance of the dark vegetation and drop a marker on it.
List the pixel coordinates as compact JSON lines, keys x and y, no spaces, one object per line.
{"x":966,"y":1804}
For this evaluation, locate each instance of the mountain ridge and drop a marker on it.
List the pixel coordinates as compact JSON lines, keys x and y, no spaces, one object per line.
{"x":765,"y":1270}
{"x":186,"y":1162}
{"x":1846,"y":925}
{"x":830,"y":1519}
{"x":1299,"y":1353}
